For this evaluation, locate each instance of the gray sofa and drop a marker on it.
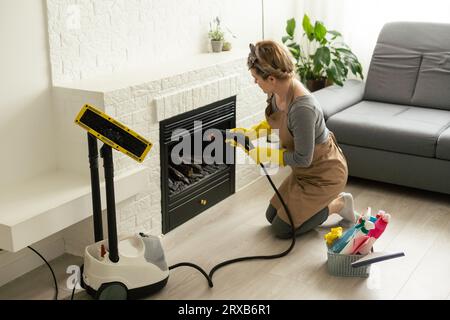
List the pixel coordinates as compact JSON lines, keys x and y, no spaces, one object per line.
{"x":395,"y":127}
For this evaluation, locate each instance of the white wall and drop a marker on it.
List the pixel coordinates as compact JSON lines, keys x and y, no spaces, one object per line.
{"x":25,"y":94}
{"x":276,"y":14}
{"x":361,"y":21}
{"x":90,"y":38}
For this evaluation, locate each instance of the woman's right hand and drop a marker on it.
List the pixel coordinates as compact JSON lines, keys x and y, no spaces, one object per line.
{"x":259,"y":130}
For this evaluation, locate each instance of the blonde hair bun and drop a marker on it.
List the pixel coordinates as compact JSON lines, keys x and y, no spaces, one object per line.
{"x":269,"y":58}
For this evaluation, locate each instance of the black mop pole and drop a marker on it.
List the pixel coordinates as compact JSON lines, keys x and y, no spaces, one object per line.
{"x":106,"y":153}
{"x":95,"y":187}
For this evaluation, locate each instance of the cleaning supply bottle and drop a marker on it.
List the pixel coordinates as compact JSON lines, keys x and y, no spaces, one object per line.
{"x":334,"y":234}
{"x":340,"y":243}
{"x":374,"y":234}
{"x":360,"y":235}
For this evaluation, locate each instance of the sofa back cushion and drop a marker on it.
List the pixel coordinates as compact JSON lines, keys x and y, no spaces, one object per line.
{"x":411,"y":65}
{"x":433,"y":82}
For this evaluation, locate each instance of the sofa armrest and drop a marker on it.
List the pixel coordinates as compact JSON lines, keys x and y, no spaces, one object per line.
{"x":334,"y":98}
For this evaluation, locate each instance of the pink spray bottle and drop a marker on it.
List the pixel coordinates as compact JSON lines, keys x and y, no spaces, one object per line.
{"x":380,"y":225}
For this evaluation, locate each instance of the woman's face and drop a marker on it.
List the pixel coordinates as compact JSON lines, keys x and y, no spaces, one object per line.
{"x":265,"y":85}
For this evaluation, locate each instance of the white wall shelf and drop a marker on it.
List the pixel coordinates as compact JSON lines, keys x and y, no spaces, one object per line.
{"x":137,"y":76}
{"x":38,"y":208}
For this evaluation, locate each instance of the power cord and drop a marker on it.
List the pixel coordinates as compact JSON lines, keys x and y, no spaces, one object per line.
{"x":264,"y":257}
{"x":188,"y":264}
{"x":228,"y":262}
{"x":53,"y":274}
{"x":73,"y":290}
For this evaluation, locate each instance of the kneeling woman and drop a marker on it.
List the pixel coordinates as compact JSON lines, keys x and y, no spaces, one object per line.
{"x":315,"y":187}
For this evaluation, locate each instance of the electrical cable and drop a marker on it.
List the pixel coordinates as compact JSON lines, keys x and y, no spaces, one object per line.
{"x":53,"y":274}
{"x":73,"y":290}
{"x":188,"y":264}
{"x":228,"y":262}
{"x":262,"y":257}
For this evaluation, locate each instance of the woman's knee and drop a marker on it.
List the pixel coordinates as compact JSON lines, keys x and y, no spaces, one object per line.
{"x":280,"y":228}
{"x":271,"y":212}
{"x":283,"y":230}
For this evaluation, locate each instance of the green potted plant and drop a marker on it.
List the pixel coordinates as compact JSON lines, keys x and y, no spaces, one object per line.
{"x":216,"y":35}
{"x":226,"y":46}
{"x":323,"y":59}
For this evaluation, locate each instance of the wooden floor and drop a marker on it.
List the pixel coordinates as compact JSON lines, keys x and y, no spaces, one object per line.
{"x":237,"y":227}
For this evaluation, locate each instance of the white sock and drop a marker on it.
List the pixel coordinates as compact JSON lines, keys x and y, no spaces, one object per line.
{"x":347,"y":212}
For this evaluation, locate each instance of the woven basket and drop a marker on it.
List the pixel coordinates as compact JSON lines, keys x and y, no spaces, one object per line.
{"x":340,"y":265}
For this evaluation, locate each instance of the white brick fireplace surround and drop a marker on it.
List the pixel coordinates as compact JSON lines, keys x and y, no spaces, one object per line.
{"x":141,"y":99}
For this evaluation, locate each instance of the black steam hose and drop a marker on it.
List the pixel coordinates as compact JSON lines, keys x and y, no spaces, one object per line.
{"x":264,"y":257}
{"x":261,"y":257}
{"x":192,"y":265}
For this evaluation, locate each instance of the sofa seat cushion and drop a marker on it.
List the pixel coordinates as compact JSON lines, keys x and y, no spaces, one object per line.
{"x":390,"y":127}
{"x":443,"y":145}
{"x":334,"y":98}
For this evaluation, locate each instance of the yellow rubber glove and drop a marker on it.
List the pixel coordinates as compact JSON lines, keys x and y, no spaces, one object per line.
{"x":262,"y":154}
{"x":261,"y":129}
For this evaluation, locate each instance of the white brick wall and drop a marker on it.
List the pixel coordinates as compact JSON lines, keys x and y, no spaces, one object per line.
{"x":96,"y":37}
{"x":193,"y":97}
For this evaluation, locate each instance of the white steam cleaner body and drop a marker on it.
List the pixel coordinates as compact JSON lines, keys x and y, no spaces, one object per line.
{"x":141,"y":270}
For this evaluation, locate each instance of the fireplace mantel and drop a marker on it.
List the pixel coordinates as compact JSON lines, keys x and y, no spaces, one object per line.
{"x":134,"y":77}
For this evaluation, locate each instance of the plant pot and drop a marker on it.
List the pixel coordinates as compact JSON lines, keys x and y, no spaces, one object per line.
{"x":317,"y":84}
{"x":226,"y":46}
{"x":216,"y":45}
{"x":314,"y":85}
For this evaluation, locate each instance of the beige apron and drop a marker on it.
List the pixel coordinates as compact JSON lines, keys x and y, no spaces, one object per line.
{"x":306,"y":191}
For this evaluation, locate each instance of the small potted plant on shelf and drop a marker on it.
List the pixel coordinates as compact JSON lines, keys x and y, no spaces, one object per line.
{"x":322,"y":60}
{"x":226,"y":43}
{"x":226,"y":46}
{"x":216,"y":35}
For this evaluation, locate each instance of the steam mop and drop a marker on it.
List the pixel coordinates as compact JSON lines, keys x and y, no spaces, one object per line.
{"x":133,"y":265}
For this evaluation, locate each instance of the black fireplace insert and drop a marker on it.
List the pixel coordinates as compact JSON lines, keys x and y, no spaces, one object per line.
{"x":196,"y":178}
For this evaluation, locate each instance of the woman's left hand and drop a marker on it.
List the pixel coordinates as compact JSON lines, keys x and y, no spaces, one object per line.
{"x":265,"y":155}
{"x":262,"y":154}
